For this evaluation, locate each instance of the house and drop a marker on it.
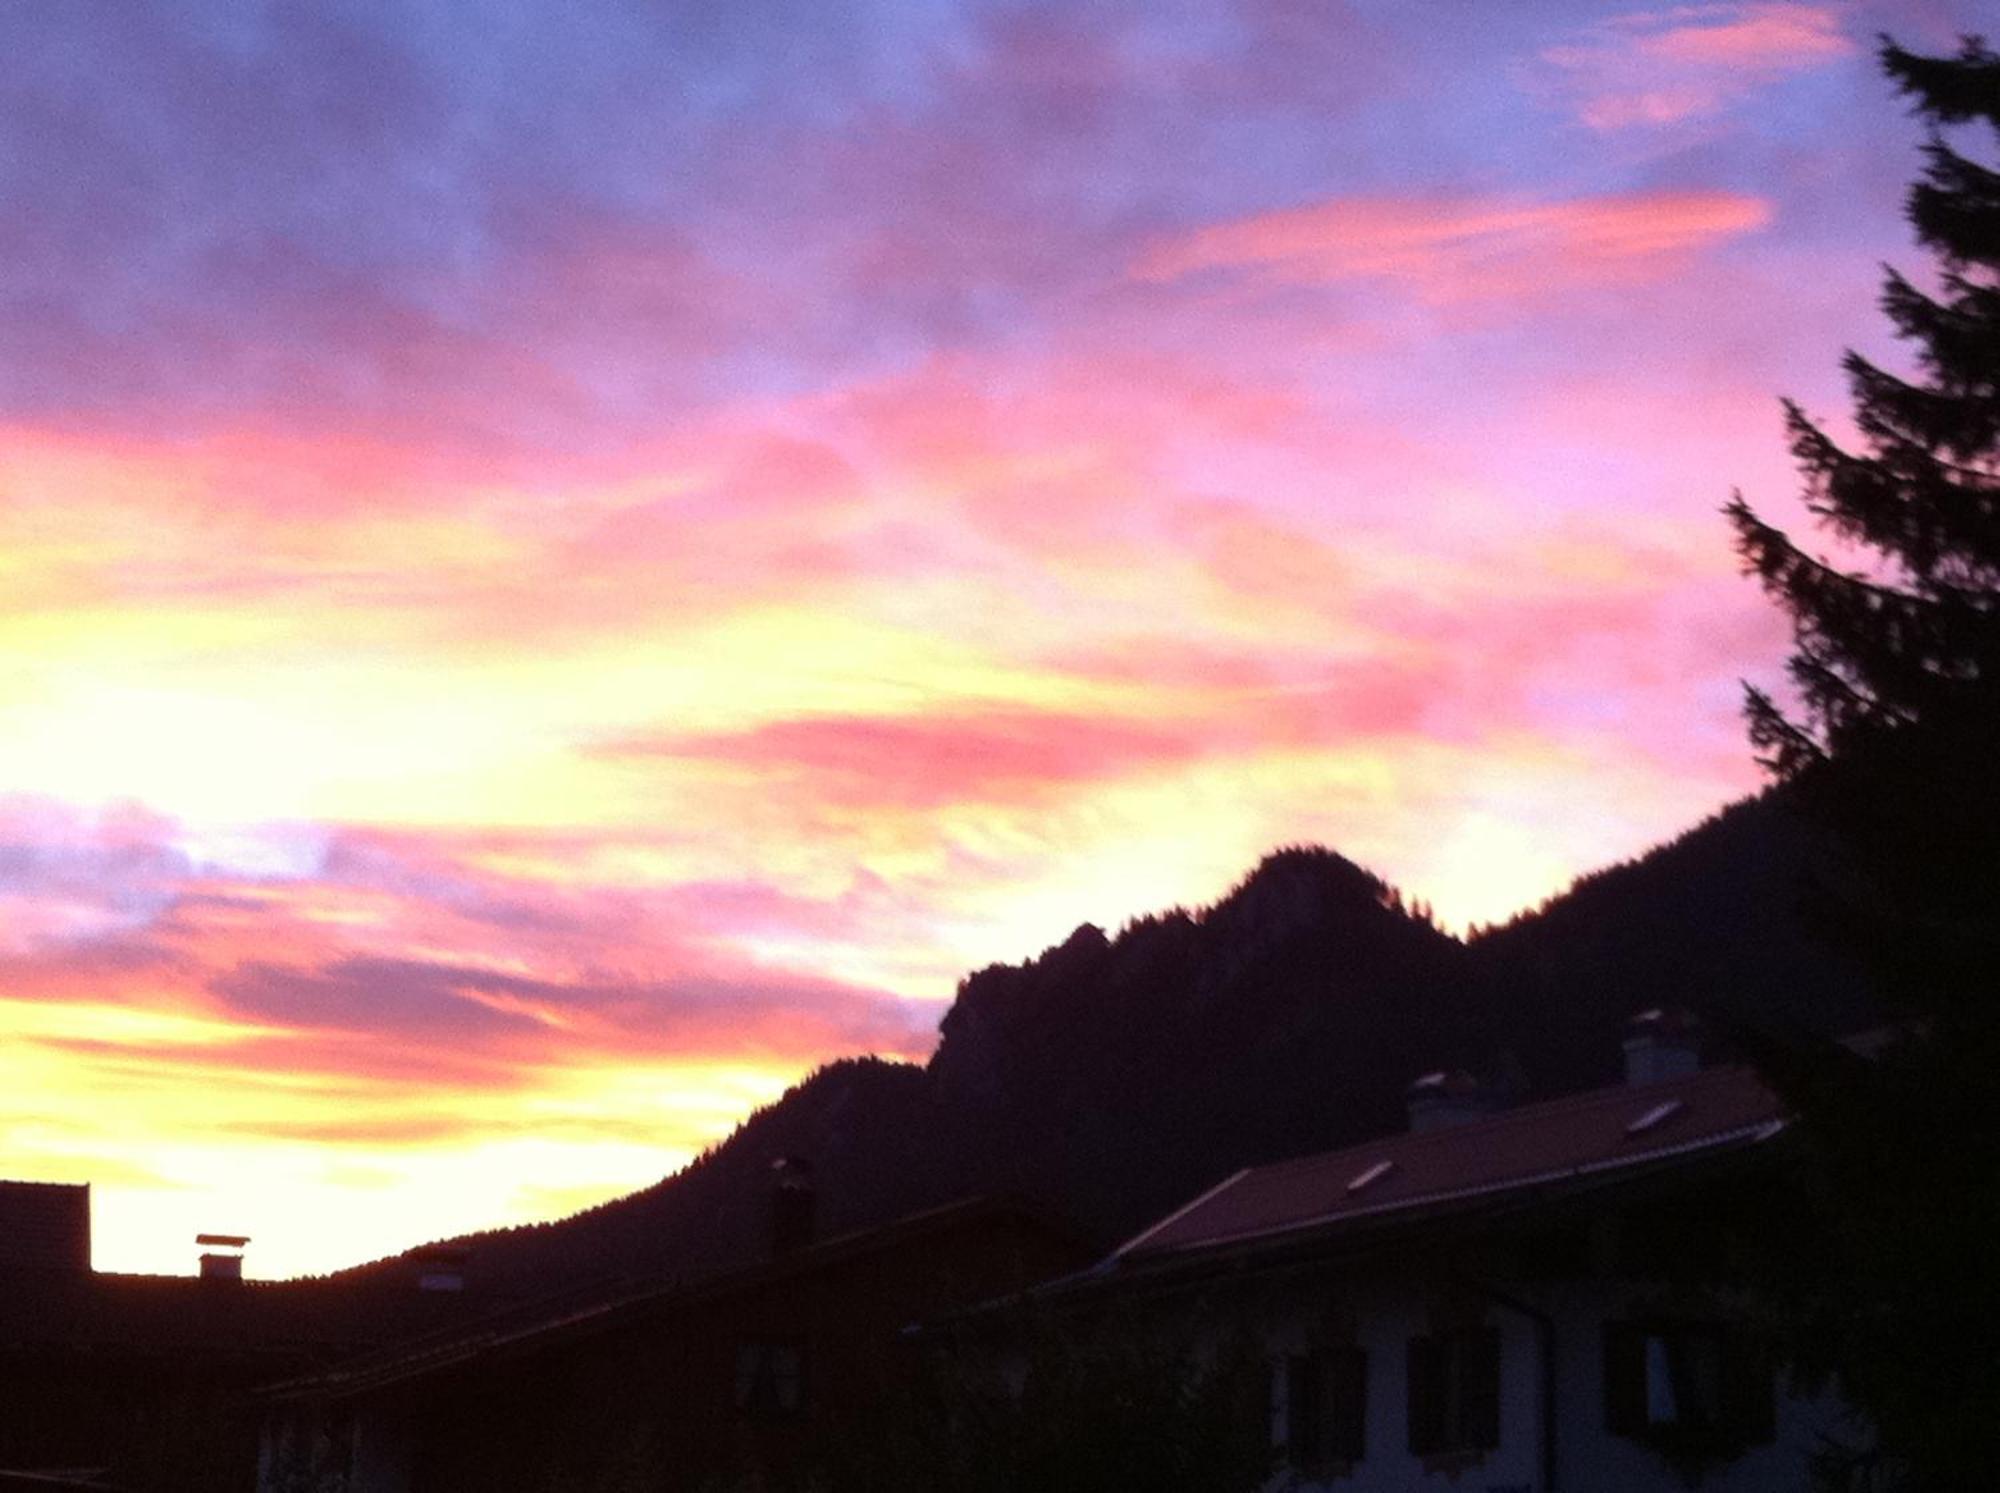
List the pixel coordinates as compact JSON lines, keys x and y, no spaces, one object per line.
{"x":142,"y":1381}
{"x":1532,"y":1299}
{"x":747,"y":1378}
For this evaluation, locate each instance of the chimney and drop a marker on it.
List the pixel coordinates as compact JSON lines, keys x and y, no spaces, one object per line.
{"x":45,"y":1225}
{"x":792,"y":1205}
{"x":441,"y":1267}
{"x":222,"y":1256}
{"x":1446,"y":1098}
{"x":1660,"y":1044}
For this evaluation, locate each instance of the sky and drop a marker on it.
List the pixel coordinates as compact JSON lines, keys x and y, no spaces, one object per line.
{"x":561,"y":565}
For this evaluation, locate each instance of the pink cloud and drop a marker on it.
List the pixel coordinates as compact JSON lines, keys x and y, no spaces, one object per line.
{"x":1762,"y":38}
{"x":726,"y":1015}
{"x":1689,"y":62}
{"x":932,"y":760}
{"x":1203,"y":706}
{"x":1450,"y":249}
{"x":390,"y":958}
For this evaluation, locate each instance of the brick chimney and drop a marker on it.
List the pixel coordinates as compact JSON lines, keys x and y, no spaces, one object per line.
{"x":793,"y":1205}
{"x":222,"y":1256}
{"x":1660,"y":1044}
{"x":1446,"y":1098}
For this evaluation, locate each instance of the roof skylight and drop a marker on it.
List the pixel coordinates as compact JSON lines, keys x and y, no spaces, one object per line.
{"x":1370,"y":1176}
{"x":1655,"y":1117}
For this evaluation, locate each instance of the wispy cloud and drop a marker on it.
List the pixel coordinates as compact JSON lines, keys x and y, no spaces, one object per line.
{"x":557,"y":571}
{"x":1449,"y":249}
{"x":1652,"y":68}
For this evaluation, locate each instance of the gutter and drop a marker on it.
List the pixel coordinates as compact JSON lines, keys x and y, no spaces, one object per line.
{"x":1545,"y":1331}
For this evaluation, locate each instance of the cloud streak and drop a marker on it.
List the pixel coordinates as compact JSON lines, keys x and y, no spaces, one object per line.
{"x":1650,"y":69}
{"x":1446,"y":250}
{"x":557,"y":572}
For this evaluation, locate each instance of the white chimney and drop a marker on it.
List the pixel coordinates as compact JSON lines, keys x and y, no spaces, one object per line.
{"x":1660,"y":1044}
{"x":1446,"y":1098}
{"x":793,"y":1204}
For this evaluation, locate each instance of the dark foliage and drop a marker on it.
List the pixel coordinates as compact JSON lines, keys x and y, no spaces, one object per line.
{"x":1125,"y":1411}
{"x":1892,"y":748}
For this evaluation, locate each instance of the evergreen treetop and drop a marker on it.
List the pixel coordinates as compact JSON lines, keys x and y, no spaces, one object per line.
{"x":1916,"y":635}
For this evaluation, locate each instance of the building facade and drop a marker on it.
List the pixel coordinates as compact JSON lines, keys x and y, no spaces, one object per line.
{"x":752,"y":1379}
{"x":1560,"y":1296}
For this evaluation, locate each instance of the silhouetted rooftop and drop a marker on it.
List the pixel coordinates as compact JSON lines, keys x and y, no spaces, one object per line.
{"x":532,"y":1325}
{"x":1540,"y":1146}
{"x":63,"y":1312}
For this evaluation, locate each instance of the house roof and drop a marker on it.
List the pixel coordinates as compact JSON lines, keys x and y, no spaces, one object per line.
{"x":1596,"y":1136}
{"x":56,"y":1312}
{"x":535,"y":1325}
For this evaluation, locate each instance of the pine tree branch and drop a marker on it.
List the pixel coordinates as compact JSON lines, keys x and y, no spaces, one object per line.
{"x":1948,"y":90}
{"x":1903,"y":501}
{"x":1946,"y":426}
{"x":1956,"y":208}
{"x":1784,"y":748}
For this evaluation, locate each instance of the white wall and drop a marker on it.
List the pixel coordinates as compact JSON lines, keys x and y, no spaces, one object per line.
{"x":1386,"y":1314}
{"x":1385,"y":1318}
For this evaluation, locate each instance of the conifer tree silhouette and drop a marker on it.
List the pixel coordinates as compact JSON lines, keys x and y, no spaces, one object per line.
{"x":1893,"y":747}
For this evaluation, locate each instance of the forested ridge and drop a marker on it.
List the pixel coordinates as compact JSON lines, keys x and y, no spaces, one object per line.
{"x":1112,"y":1076}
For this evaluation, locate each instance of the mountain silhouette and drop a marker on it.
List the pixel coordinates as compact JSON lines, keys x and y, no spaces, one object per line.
{"x":1112,"y":1078}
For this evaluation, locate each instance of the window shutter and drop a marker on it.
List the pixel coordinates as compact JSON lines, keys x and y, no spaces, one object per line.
{"x":749,"y":1368}
{"x":1307,"y":1397}
{"x":1348,"y":1431}
{"x":1749,"y":1392}
{"x":1479,"y":1424}
{"x":1624,"y":1379}
{"x":788,"y":1376}
{"x":1426,"y":1396}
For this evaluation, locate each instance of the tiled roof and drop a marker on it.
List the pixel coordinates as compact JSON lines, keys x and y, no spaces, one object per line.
{"x":1598,"y":1134}
{"x":532,"y":1324}
{"x":49,"y":1311}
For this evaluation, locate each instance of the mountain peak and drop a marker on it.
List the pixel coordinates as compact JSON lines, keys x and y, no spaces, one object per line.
{"x":1113,"y":1077}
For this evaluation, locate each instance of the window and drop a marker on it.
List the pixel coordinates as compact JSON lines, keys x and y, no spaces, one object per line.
{"x":1686,"y":1383}
{"x":1455,"y":1392}
{"x":770,"y":1380}
{"x":1325,"y":1398}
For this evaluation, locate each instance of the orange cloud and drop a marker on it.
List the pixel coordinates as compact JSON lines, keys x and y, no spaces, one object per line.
{"x":1450,"y":249}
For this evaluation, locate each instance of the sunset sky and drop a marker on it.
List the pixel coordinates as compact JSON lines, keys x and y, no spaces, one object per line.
{"x":561,"y":564}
